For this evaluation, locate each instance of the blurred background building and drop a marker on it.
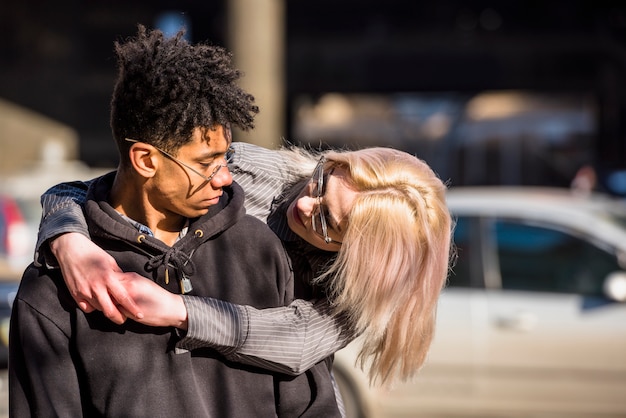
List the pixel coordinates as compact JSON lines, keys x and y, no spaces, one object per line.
{"x":517,"y":92}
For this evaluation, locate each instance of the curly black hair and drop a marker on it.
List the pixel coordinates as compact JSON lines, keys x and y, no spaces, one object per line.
{"x":167,"y":87}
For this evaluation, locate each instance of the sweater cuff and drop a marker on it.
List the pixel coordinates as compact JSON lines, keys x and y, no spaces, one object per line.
{"x":214,"y":323}
{"x":70,"y":219}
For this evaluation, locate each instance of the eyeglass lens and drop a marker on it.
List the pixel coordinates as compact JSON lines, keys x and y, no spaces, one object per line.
{"x":227,"y":158}
{"x":319,"y":177}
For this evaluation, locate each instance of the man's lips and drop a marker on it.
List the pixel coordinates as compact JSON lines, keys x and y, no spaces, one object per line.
{"x":213,"y":199}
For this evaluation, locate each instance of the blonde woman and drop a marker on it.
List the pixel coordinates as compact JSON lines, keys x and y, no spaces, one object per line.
{"x":369,"y":235}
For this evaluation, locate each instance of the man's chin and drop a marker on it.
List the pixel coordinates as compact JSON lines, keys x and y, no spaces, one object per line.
{"x":196,"y":213}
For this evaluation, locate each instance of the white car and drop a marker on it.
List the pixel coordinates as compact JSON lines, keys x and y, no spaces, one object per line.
{"x":533,"y":321}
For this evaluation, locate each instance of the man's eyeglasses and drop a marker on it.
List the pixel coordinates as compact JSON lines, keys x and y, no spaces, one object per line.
{"x":320,"y":226}
{"x":228,"y":158}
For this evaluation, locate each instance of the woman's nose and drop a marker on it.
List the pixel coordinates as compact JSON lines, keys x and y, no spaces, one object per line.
{"x":307,"y":205}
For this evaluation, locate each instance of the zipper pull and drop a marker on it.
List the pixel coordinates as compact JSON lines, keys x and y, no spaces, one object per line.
{"x":185,"y":285}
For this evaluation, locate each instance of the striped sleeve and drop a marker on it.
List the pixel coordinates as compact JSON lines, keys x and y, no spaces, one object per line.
{"x":288,"y":339}
{"x":262,"y":173}
{"x":61,"y":213}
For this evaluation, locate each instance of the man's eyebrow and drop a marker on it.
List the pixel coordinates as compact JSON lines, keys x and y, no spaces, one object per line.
{"x":211,"y":154}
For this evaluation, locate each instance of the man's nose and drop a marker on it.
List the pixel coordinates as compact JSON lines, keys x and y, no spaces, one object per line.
{"x":222,"y":178}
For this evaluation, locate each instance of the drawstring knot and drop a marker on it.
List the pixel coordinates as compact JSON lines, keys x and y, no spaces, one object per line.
{"x":183,"y":266}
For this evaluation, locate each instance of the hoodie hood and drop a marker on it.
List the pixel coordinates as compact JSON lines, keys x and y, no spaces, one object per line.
{"x":107,"y":225}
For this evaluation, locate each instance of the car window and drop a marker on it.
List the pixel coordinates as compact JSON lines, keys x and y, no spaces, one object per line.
{"x":539,"y":258}
{"x":467,"y":270}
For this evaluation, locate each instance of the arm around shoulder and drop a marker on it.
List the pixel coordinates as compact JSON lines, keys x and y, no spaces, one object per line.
{"x":289,"y":339}
{"x":61,"y":213}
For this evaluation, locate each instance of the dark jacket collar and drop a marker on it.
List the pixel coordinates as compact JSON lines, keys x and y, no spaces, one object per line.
{"x":105,"y":223}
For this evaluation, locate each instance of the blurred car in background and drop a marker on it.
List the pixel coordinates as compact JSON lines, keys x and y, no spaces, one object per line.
{"x":533,"y":320}
{"x":19,"y":222}
{"x":18,"y":229}
{"x":15,"y":235}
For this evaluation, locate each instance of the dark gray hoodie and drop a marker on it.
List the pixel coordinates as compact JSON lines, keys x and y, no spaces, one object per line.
{"x":66,"y":363}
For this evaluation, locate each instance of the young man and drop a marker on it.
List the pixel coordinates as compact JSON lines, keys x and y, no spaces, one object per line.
{"x":171,"y":213}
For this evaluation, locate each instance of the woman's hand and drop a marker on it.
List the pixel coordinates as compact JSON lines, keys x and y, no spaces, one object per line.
{"x":94,"y":278}
{"x":160,"y":307}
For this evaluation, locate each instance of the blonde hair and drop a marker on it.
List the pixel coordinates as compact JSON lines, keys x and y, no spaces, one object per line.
{"x":394,"y":260}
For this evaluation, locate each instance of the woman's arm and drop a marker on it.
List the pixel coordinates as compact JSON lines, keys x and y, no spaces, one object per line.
{"x":93,"y":277}
{"x":310,"y":331}
{"x":289,"y":339}
{"x":92,"y":280}
{"x":61,"y":213}
{"x":261,"y":172}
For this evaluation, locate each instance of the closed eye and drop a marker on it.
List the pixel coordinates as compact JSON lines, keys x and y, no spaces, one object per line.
{"x":218,"y":159}
{"x":330,"y":222}
{"x":324,"y":182}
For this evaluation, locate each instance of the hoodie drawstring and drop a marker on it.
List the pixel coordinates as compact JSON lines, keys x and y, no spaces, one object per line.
{"x":182,"y":263}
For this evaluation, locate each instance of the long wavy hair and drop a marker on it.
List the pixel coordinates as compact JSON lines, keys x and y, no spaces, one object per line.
{"x":394,"y":261}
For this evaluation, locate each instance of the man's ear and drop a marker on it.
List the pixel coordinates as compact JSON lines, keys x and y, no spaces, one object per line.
{"x":144,"y":159}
